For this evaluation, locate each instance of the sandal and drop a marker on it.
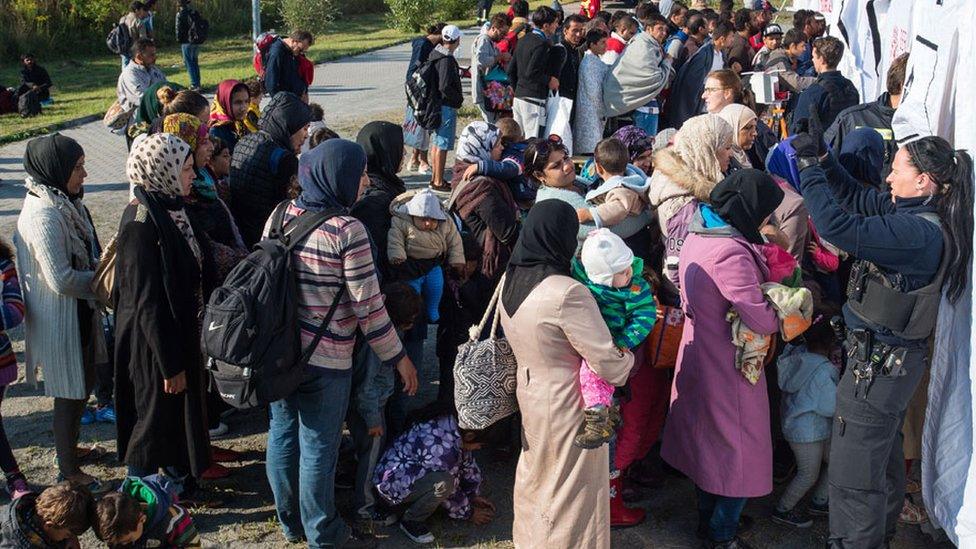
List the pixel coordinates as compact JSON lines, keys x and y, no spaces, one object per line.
{"x":443,"y":188}
{"x":912,"y":514}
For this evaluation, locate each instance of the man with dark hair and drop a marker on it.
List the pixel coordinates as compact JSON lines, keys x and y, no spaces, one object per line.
{"x":876,"y":115}
{"x":675,"y":13}
{"x":686,"y":92}
{"x":784,"y":60}
{"x":190,"y":51}
{"x":135,"y":22}
{"x":485,"y":57}
{"x":281,"y":66}
{"x":813,"y":25}
{"x":738,"y":53}
{"x":534,"y":72}
{"x":34,"y":77}
{"x":520,"y":26}
{"x":574,"y":40}
{"x":138,"y":75}
{"x":644,"y":12}
{"x":831,"y":93}
{"x":640,"y":75}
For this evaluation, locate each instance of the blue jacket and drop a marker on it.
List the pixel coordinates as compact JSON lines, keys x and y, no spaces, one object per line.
{"x":831,"y":93}
{"x":867,"y":224}
{"x":281,"y":71}
{"x":809,"y":384}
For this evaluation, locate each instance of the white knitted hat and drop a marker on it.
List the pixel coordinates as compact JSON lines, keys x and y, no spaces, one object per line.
{"x":424,"y":204}
{"x":605,"y":254}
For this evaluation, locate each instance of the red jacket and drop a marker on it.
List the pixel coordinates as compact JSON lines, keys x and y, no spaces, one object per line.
{"x":589,"y":8}
{"x":615,"y":44}
{"x":306,"y":69}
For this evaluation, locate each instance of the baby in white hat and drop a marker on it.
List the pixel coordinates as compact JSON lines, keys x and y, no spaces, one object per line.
{"x":421,"y":238}
{"x":607,"y":267}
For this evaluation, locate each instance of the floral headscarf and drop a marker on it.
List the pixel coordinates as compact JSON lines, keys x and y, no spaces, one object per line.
{"x":636,"y":140}
{"x":476,"y":142}
{"x":156,"y":164}
{"x":187,"y":127}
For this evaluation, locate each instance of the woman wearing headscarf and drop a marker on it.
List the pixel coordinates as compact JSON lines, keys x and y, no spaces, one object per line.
{"x":301,"y":465}
{"x":228,"y":110}
{"x":562,"y":496}
{"x":485,"y":205}
{"x":640,"y":146}
{"x":717,"y":432}
{"x":743,"y":121}
{"x":57,"y":252}
{"x":150,"y":108}
{"x":383,"y":143}
{"x":159,"y":380}
{"x":264,"y":163}
{"x":684,"y":175}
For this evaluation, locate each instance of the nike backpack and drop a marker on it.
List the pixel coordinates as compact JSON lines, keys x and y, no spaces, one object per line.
{"x":251,"y":332}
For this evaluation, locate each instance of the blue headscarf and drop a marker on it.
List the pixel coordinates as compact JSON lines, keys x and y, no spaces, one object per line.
{"x":781,"y":161}
{"x":862,"y":155}
{"x":329,"y":175}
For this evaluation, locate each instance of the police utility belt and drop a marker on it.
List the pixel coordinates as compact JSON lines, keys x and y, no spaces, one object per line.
{"x":868,"y":358}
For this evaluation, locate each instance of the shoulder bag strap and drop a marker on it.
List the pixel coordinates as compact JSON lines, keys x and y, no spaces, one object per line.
{"x":474,"y":332}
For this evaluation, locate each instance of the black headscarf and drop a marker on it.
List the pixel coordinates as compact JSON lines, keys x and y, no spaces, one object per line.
{"x":284,"y":115}
{"x":545,"y":247}
{"x":745,"y":199}
{"x":49,"y":160}
{"x":383,"y":143}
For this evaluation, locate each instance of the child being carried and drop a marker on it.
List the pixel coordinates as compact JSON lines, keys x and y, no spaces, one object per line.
{"x":620,"y":202}
{"x":608,"y":268}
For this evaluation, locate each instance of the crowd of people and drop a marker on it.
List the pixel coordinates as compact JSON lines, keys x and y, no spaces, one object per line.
{"x":686,"y":289}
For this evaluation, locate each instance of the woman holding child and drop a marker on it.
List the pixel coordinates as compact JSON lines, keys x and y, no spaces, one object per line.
{"x":553,"y":322}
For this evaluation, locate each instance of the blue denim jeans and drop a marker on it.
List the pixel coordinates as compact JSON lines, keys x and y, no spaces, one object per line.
{"x":303,"y":447}
{"x":648,"y":121}
{"x":721,"y":513}
{"x":192,"y":63}
{"x":431,"y":287}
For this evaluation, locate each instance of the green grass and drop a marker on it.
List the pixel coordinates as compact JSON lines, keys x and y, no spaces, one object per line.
{"x":86,"y":86}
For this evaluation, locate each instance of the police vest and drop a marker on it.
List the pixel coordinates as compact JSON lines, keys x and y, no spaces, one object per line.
{"x":882,"y":299}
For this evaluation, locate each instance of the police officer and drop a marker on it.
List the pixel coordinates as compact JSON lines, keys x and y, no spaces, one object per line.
{"x":912,"y":246}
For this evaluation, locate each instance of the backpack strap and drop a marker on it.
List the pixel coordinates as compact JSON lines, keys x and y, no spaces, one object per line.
{"x":320,"y":332}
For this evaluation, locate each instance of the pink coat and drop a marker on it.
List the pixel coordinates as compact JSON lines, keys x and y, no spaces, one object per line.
{"x":717,"y":432}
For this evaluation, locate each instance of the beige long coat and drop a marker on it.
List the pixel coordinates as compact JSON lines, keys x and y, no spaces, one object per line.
{"x":562,"y":496}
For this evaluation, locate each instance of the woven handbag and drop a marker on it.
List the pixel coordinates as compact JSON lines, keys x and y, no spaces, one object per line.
{"x":485,"y":374}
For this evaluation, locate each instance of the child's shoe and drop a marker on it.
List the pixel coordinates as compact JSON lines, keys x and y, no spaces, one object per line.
{"x":595,"y":430}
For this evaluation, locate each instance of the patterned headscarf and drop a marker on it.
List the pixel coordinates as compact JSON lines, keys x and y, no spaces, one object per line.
{"x":156,"y":164}
{"x":187,"y":127}
{"x":698,"y":142}
{"x":476,"y":142}
{"x":738,"y":116}
{"x":636,"y":140}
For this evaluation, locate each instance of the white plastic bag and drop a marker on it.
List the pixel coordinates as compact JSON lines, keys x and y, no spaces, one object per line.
{"x":559,"y":112}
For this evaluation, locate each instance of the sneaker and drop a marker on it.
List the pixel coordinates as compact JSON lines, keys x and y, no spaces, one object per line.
{"x":218,"y":432}
{"x":416,"y":531}
{"x":105,"y":414}
{"x":819,"y":509}
{"x":793,"y":517}
{"x":423,"y":169}
{"x":595,"y":430}
{"x":374,"y":517}
{"x":88,"y":416}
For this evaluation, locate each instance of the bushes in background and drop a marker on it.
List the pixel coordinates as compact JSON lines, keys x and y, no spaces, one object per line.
{"x":415,"y":15}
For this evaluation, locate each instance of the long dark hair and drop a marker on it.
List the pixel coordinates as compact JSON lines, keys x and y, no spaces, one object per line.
{"x":952,"y":172}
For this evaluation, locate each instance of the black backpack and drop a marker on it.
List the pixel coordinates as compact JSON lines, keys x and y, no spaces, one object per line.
{"x":251,"y":333}
{"x":423,"y":97}
{"x":199,"y":28}
{"x":119,"y":40}
{"x":29,"y":104}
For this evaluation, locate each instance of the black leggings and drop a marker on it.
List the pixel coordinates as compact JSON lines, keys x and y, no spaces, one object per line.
{"x":7,"y":461}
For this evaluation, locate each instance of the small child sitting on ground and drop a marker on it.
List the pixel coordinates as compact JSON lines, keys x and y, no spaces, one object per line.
{"x":144,"y":513}
{"x":432,"y":465}
{"x":316,"y":124}
{"x":608,"y":268}
{"x":421,"y":237}
{"x":53,"y":519}
{"x":809,"y":383}
{"x":621,"y":200}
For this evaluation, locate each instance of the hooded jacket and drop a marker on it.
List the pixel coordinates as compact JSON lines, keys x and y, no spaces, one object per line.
{"x":406,"y":241}
{"x":448,"y":79}
{"x":264,"y":163}
{"x":637,"y":77}
{"x":167,"y":523}
{"x":673,"y":185}
{"x":809,"y":385}
{"x":20,"y":528}
{"x":831,"y":93}
{"x":620,"y":203}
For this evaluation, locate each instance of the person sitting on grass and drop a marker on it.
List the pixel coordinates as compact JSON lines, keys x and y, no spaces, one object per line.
{"x":432,"y":465}
{"x":53,"y":519}
{"x":34,"y":77}
{"x":145,"y":513}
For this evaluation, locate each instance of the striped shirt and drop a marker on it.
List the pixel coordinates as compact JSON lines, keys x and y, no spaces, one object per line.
{"x":338,"y":254}
{"x":11,"y":315}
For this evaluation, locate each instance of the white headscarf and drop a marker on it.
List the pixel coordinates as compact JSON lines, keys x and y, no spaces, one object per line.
{"x":738,"y":116}
{"x":698,"y":142}
{"x":476,"y":142}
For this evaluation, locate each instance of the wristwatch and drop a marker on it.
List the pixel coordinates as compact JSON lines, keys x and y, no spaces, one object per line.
{"x":805,"y":162}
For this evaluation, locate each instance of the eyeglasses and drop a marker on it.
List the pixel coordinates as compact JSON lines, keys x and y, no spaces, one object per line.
{"x":713,"y":90}
{"x":551,"y":142}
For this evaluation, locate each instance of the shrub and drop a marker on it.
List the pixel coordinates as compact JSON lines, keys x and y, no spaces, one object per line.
{"x":455,"y":9}
{"x":311,"y":15}
{"x":363,"y":6}
{"x":411,"y":15}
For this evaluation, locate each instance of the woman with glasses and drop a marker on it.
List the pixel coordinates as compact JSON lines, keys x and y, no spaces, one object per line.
{"x":548,"y":165}
{"x":722,"y":88}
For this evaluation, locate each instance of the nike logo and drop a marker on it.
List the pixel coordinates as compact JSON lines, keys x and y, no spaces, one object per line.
{"x":215,"y":327}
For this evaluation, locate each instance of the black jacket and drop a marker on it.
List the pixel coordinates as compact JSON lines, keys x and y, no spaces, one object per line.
{"x":877,"y":115}
{"x":281,"y":71}
{"x":35,"y":76}
{"x":535,"y":60}
{"x":157,"y":336}
{"x":569,"y":75}
{"x":830,"y":94}
{"x":373,"y":210}
{"x":448,"y":79}
{"x":20,"y":527}
{"x":183,"y":25}
{"x":686,"y":90}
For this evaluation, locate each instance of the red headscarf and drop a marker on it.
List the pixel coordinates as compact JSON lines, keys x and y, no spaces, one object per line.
{"x":221,"y":112}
